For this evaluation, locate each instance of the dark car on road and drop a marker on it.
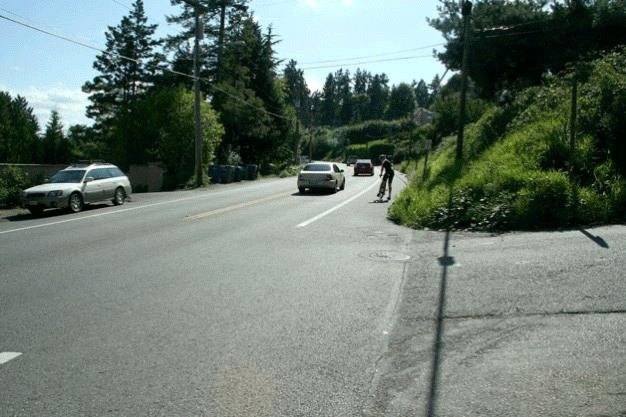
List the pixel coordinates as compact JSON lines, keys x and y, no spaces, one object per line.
{"x":364,"y":166}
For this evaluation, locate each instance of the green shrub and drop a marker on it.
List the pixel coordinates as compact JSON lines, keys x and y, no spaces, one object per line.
{"x":378,"y":147}
{"x":374,"y":130}
{"x":13,"y":181}
{"x":592,"y":208}
{"x":547,"y":200}
{"x":360,"y":151}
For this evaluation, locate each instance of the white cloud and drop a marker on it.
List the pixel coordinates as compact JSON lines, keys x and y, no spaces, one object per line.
{"x":314,"y":84}
{"x":316,"y":4}
{"x":69,"y":102}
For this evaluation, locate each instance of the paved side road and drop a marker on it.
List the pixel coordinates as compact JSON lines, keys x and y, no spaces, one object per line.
{"x":532,"y":324}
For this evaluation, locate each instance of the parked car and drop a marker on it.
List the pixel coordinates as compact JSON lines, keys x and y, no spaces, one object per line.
{"x":351,"y":159}
{"x":364,"y":166}
{"x":321,"y":175}
{"x":77,"y":185}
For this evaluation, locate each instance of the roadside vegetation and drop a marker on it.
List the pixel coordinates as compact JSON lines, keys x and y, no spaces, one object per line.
{"x":520,"y":170}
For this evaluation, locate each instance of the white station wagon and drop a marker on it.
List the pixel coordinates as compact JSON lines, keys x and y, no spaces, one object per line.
{"x":76,"y":185}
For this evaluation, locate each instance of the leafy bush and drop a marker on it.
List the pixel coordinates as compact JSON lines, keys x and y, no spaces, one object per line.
{"x":12,"y":181}
{"x":378,"y":147}
{"x":373,"y":130}
{"x":360,"y":151}
{"x":546,"y":201}
{"x":603,"y":106}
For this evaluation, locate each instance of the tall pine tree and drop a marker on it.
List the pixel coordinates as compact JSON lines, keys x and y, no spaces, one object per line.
{"x":128,"y":68}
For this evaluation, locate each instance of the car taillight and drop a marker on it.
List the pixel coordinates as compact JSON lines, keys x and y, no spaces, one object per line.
{"x":328,"y":177}
{"x":300,"y":176}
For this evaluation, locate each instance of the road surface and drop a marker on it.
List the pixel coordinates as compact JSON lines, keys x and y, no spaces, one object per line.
{"x":250,"y":299}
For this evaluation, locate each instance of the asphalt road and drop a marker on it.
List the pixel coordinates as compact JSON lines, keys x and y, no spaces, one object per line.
{"x":252,"y":300}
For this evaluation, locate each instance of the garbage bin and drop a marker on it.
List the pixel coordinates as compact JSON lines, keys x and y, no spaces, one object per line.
{"x":252,"y":172}
{"x":227,"y":173}
{"x":240,"y":173}
{"x":215,"y":174}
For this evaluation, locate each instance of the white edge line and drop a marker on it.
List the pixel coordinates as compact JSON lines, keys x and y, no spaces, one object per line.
{"x":7,"y":356}
{"x":338,"y":206}
{"x":37,"y":226}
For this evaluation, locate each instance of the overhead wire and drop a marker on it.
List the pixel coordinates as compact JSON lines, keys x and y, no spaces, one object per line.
{"x":116,"y":55}
{"x":404,"y":58}
{"x":122,"y":4}
{"x":327,"y":61}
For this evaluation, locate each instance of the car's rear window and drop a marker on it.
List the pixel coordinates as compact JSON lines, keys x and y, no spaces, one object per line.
{"x":74,"y":175}
{"x":316,"y":167}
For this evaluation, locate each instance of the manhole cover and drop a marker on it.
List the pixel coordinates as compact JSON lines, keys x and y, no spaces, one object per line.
{"x":388,"y":256}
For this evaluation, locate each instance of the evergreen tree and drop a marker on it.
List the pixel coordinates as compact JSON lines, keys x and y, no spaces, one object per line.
{"x":297,"y":90}
{"x":85,"y":143}
{"x":329,"y":108}
{"x":251,"y":100}
{"x":123,"y":81}
{"x":344,"y":97}
{"x":5,"y":125}
{"x":219,"y":20}
{"x":513,"y":43}
{"x":52,"y":139}
{"x":22,"y":142}
{"x":401,"y":102}
{"x":360,"y":99}
{"x":422,"y":96}
{"x":378,"y":93}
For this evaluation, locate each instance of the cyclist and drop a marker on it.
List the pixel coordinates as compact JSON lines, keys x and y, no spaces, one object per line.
{"x":386,"y":172}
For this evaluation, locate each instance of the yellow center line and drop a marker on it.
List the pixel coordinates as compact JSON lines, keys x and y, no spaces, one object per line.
{"x":222,"y":210}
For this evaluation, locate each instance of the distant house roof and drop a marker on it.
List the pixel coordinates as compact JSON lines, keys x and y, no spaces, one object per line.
{"x":423,"y":116}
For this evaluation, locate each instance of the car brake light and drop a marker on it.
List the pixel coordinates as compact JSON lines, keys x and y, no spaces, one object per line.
{"x":329,"y":177}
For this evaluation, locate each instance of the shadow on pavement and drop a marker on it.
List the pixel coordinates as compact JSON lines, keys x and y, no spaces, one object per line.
{"x":596,"y":239}
{"x":445,"y":261}
{"x":52,"y":213}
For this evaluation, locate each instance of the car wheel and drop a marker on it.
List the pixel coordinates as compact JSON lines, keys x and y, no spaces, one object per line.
{"x":343,"y":185}
{"x":301,"y":189}
{"x":120,"y":196}
{"x":76,"y":203}
{"x":35,"y":210}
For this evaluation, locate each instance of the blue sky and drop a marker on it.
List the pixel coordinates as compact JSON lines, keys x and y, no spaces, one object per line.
{"x":330,"y":34}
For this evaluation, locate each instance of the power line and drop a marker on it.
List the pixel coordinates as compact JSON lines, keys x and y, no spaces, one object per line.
{"x":372,"y":56}
{"x":368,"y":62}
{"x":112,"y":54}
{"x":122,"y":4}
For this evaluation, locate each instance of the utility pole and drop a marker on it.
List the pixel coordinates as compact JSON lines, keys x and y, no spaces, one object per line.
{"x":572,"y":114}
{"x":466,"y":11}
{"x":220,"y":40}
{"x":196,"y":88}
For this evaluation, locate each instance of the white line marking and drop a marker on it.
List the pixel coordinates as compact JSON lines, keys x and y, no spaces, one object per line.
{"x":73,"y":219}
{"x":7,"y":356}
{"x":338,"y":206}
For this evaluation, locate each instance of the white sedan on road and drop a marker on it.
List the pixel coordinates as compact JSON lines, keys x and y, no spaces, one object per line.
{"x":321,"y":175}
